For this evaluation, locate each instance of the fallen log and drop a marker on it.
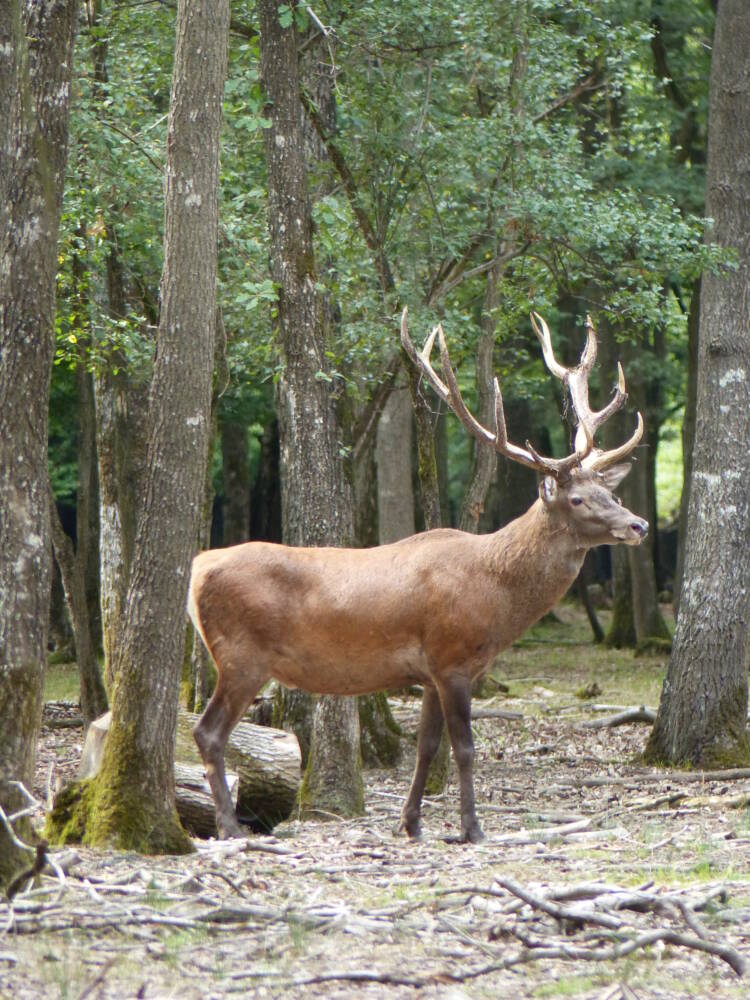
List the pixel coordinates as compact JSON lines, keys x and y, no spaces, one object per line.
{"x":628,"y":715}
{"x":263,"y":774}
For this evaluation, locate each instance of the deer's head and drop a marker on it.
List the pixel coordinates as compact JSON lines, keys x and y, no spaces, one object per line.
{"x":584,"y":504}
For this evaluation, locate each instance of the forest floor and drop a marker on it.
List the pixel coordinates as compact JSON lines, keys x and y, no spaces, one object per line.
{"x":599,"y":878}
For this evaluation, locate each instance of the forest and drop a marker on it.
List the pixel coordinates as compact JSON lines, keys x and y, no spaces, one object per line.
{"x":224,"y":225}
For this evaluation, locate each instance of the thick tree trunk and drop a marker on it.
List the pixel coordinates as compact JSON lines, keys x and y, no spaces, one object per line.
{"x":131,"y":802}
{"x":316,"y":501}
{"x":36,"y":53}
{"x":702,"y":715}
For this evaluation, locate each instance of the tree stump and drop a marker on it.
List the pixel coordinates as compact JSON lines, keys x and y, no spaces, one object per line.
{"x":263,"y":775}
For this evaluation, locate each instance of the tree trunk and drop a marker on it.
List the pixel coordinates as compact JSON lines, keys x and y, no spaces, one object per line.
{"x":650,"y":627}
{"x":265,"y":501}
{"x":36,"y":53}
{"x":484,"y":465}
{"x":621,"y":631}
{"x":702,"y":714}
{"x":316,"y":502}
{"x":394,"y":475}
{"x":121,"y":420}
{"x":72,"y":570}
{"x":130,"y":804}
{"x":688,"y":438}
{"x":235,"y":475}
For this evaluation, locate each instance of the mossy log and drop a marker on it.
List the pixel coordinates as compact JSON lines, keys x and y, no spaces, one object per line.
{"x":263,"y":774}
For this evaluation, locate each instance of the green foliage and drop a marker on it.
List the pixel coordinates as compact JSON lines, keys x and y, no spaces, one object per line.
{"x":544,"y":132}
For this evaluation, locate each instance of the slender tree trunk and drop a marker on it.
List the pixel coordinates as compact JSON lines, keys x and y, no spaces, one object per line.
{"x":121,"y":408}
{"x":394,"y":475}
{"x":702,"y":717}
{"x":621,"y":631}
{"x":72,"y":570}
{"x":130,"y":803}
{"x":316,"y":502}
{"x":36,"y":53}
{"x":484,"y":465}
{"x":265,"y":500}
{"x":235,"y":475}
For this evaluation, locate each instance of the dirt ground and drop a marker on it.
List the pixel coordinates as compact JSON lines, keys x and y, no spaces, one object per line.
{"x":598,"y":879}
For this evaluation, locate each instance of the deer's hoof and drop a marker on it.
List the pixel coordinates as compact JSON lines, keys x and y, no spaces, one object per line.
{"x":412,"y":828}
{"x":472,"y":835}
{"x":228,"y":829}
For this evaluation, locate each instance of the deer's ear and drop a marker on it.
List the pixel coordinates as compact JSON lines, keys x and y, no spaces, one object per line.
{"x":548,"y":489}
{"x":613,"y":476}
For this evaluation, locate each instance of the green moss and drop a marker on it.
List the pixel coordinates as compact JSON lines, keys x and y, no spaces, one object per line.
{"x":112,"y":811}
{"x":187,"y":680}
{"x":726,"y":757}
{"x":380,"y":734}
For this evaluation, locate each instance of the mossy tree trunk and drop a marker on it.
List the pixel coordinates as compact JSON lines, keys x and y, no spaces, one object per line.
{"x":36,"y":53}
{"x":130,"y":804}
{"x":702,"y":717}
{"x":316,"y":500}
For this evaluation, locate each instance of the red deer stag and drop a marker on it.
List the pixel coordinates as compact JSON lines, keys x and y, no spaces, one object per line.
{"x":434,"y":609}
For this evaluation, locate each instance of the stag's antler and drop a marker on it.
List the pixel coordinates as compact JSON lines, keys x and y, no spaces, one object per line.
{"x":576,"y":381}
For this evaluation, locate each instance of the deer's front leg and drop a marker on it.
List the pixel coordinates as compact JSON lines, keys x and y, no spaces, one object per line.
{"x":428,"y":741}
{"x":455,"y":697}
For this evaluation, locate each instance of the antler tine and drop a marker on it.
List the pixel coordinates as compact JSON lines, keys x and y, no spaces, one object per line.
{"x":456,"y":399}
{"x":546,"y":341}
{"x":421,"y":359}
{"x":603,"y":459}
{"x":585,"y":454}
{"x":451,"y":394}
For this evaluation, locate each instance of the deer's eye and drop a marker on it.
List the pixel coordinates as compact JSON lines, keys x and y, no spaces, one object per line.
{"x":576,"y":501}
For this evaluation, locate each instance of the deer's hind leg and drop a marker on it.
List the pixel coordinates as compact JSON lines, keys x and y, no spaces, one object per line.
{"x":455,"y":697}
{"x":236,"y":687}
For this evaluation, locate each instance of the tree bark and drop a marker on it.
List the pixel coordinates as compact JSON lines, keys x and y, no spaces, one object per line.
{"x":121,"y":400}
{"x":702,"y":714}
{"x":235,"y":475}
{"x":36,"y":53}
{"x":72,"y":569}
{"x":130,"y":804}
{"x":484,"y":464}
{"x":316,"y":501}
{"x":688,"y":438}
{"x":393,"y":453}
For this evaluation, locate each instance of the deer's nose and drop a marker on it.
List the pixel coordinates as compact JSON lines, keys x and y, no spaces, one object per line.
{"x":639,"y":527}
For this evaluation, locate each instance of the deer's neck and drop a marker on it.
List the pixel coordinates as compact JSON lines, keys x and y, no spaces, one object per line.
{"x":535,"y":559}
